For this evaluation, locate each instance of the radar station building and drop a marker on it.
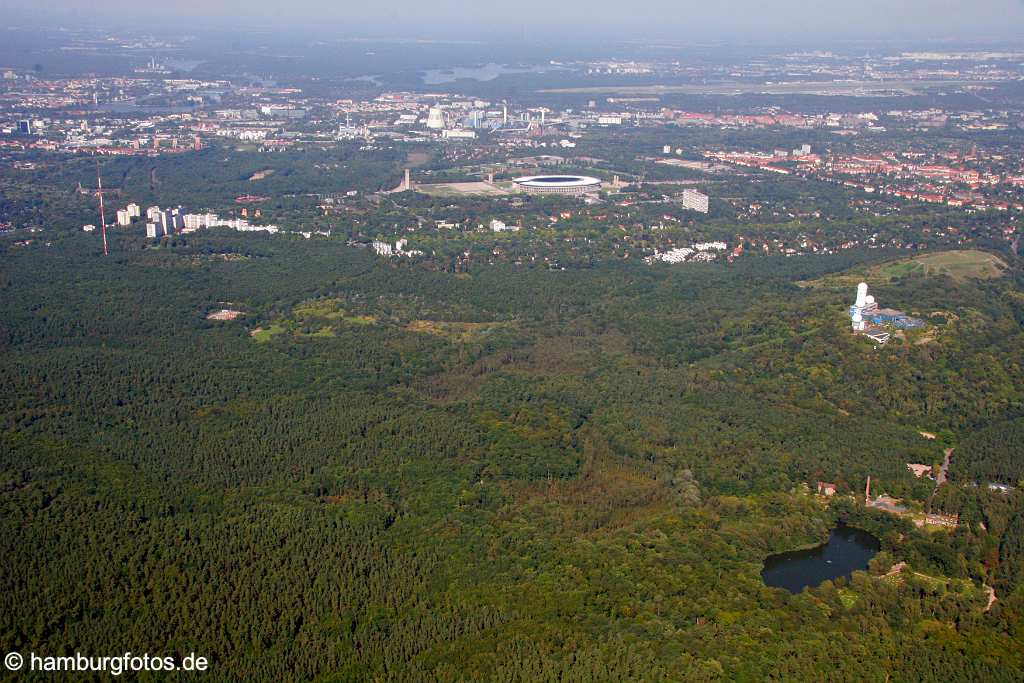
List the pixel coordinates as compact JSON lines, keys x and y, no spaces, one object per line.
{"x":868,"y":319}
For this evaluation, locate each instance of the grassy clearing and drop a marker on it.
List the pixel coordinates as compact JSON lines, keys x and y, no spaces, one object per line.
{"x":454,"y":331}
{"x":959,"y":265}
{"x":465,"y":189}
{"x":941,"y":584}
{"x":263,"y":335}
{"x":360,"y":319}
{"x":329,"y":309}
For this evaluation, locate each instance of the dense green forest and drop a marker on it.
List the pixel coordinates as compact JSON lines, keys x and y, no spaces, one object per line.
{"x":992,"y":454}
{"x":385,"y":472}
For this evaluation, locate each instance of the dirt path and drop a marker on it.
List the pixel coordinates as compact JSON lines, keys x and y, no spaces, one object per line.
{"x":944,"y":470}
{"x":991,"y":596}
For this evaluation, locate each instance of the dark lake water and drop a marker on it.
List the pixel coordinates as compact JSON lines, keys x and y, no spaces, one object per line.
{"x":847,"y":550}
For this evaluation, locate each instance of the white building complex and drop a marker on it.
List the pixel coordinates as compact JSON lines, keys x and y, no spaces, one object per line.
{"x":458,"y":134}
{"x":695,"y":201}
{"x":500,"y":226}
{"x":168,"y":222}
{"x":382,"y":248}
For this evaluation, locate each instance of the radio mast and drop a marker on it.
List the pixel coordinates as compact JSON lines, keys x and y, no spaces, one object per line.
{"x":103,"y":219}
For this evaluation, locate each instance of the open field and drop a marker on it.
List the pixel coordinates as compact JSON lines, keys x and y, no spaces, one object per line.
{"x":454,"y":331}
{"x":958,"y":265}
{"x":478,"y":188}
{"x":262,"y":335}
{"x":329,"y":309}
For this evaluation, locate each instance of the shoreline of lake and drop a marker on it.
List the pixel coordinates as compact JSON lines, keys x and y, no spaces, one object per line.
{"x":847,"y":549}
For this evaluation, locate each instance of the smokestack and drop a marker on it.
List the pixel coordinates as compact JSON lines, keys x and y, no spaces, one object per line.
{"x":408,"y":180}
{"x":867,"y":491}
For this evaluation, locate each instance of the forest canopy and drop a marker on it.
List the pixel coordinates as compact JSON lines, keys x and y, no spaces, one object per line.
{"x":383,"y":471}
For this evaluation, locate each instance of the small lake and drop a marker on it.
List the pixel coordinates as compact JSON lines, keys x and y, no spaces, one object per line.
{"x":847,"y":550}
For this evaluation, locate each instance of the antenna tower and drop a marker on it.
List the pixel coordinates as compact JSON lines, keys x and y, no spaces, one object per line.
{"x":103,"y":218}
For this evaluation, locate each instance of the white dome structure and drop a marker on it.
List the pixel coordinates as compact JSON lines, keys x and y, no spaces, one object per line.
{"x":862,"y":294}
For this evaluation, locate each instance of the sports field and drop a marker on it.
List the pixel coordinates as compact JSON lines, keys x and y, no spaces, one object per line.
{"x":465,"y":189}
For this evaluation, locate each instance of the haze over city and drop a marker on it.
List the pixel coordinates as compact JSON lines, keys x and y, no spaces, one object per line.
{"x":573,"y":20}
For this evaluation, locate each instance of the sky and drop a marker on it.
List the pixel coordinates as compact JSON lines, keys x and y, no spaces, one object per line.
{"x":576,"y":20}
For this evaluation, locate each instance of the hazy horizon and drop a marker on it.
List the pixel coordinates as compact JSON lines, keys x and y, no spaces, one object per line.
{"x":573,"y":20}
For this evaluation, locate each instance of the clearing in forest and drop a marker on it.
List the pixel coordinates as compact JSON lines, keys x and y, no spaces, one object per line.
{"x":454,"y":331}
{"x":962,"y":264}
{"x":959,"y":265}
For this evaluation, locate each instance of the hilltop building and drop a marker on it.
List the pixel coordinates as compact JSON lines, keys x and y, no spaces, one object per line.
{"x":868,"y":319}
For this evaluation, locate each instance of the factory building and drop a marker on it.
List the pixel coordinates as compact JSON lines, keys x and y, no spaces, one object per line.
{"x":458,"y":134}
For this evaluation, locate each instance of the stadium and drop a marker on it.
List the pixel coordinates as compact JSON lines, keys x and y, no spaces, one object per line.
{"x":558,"y":184}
